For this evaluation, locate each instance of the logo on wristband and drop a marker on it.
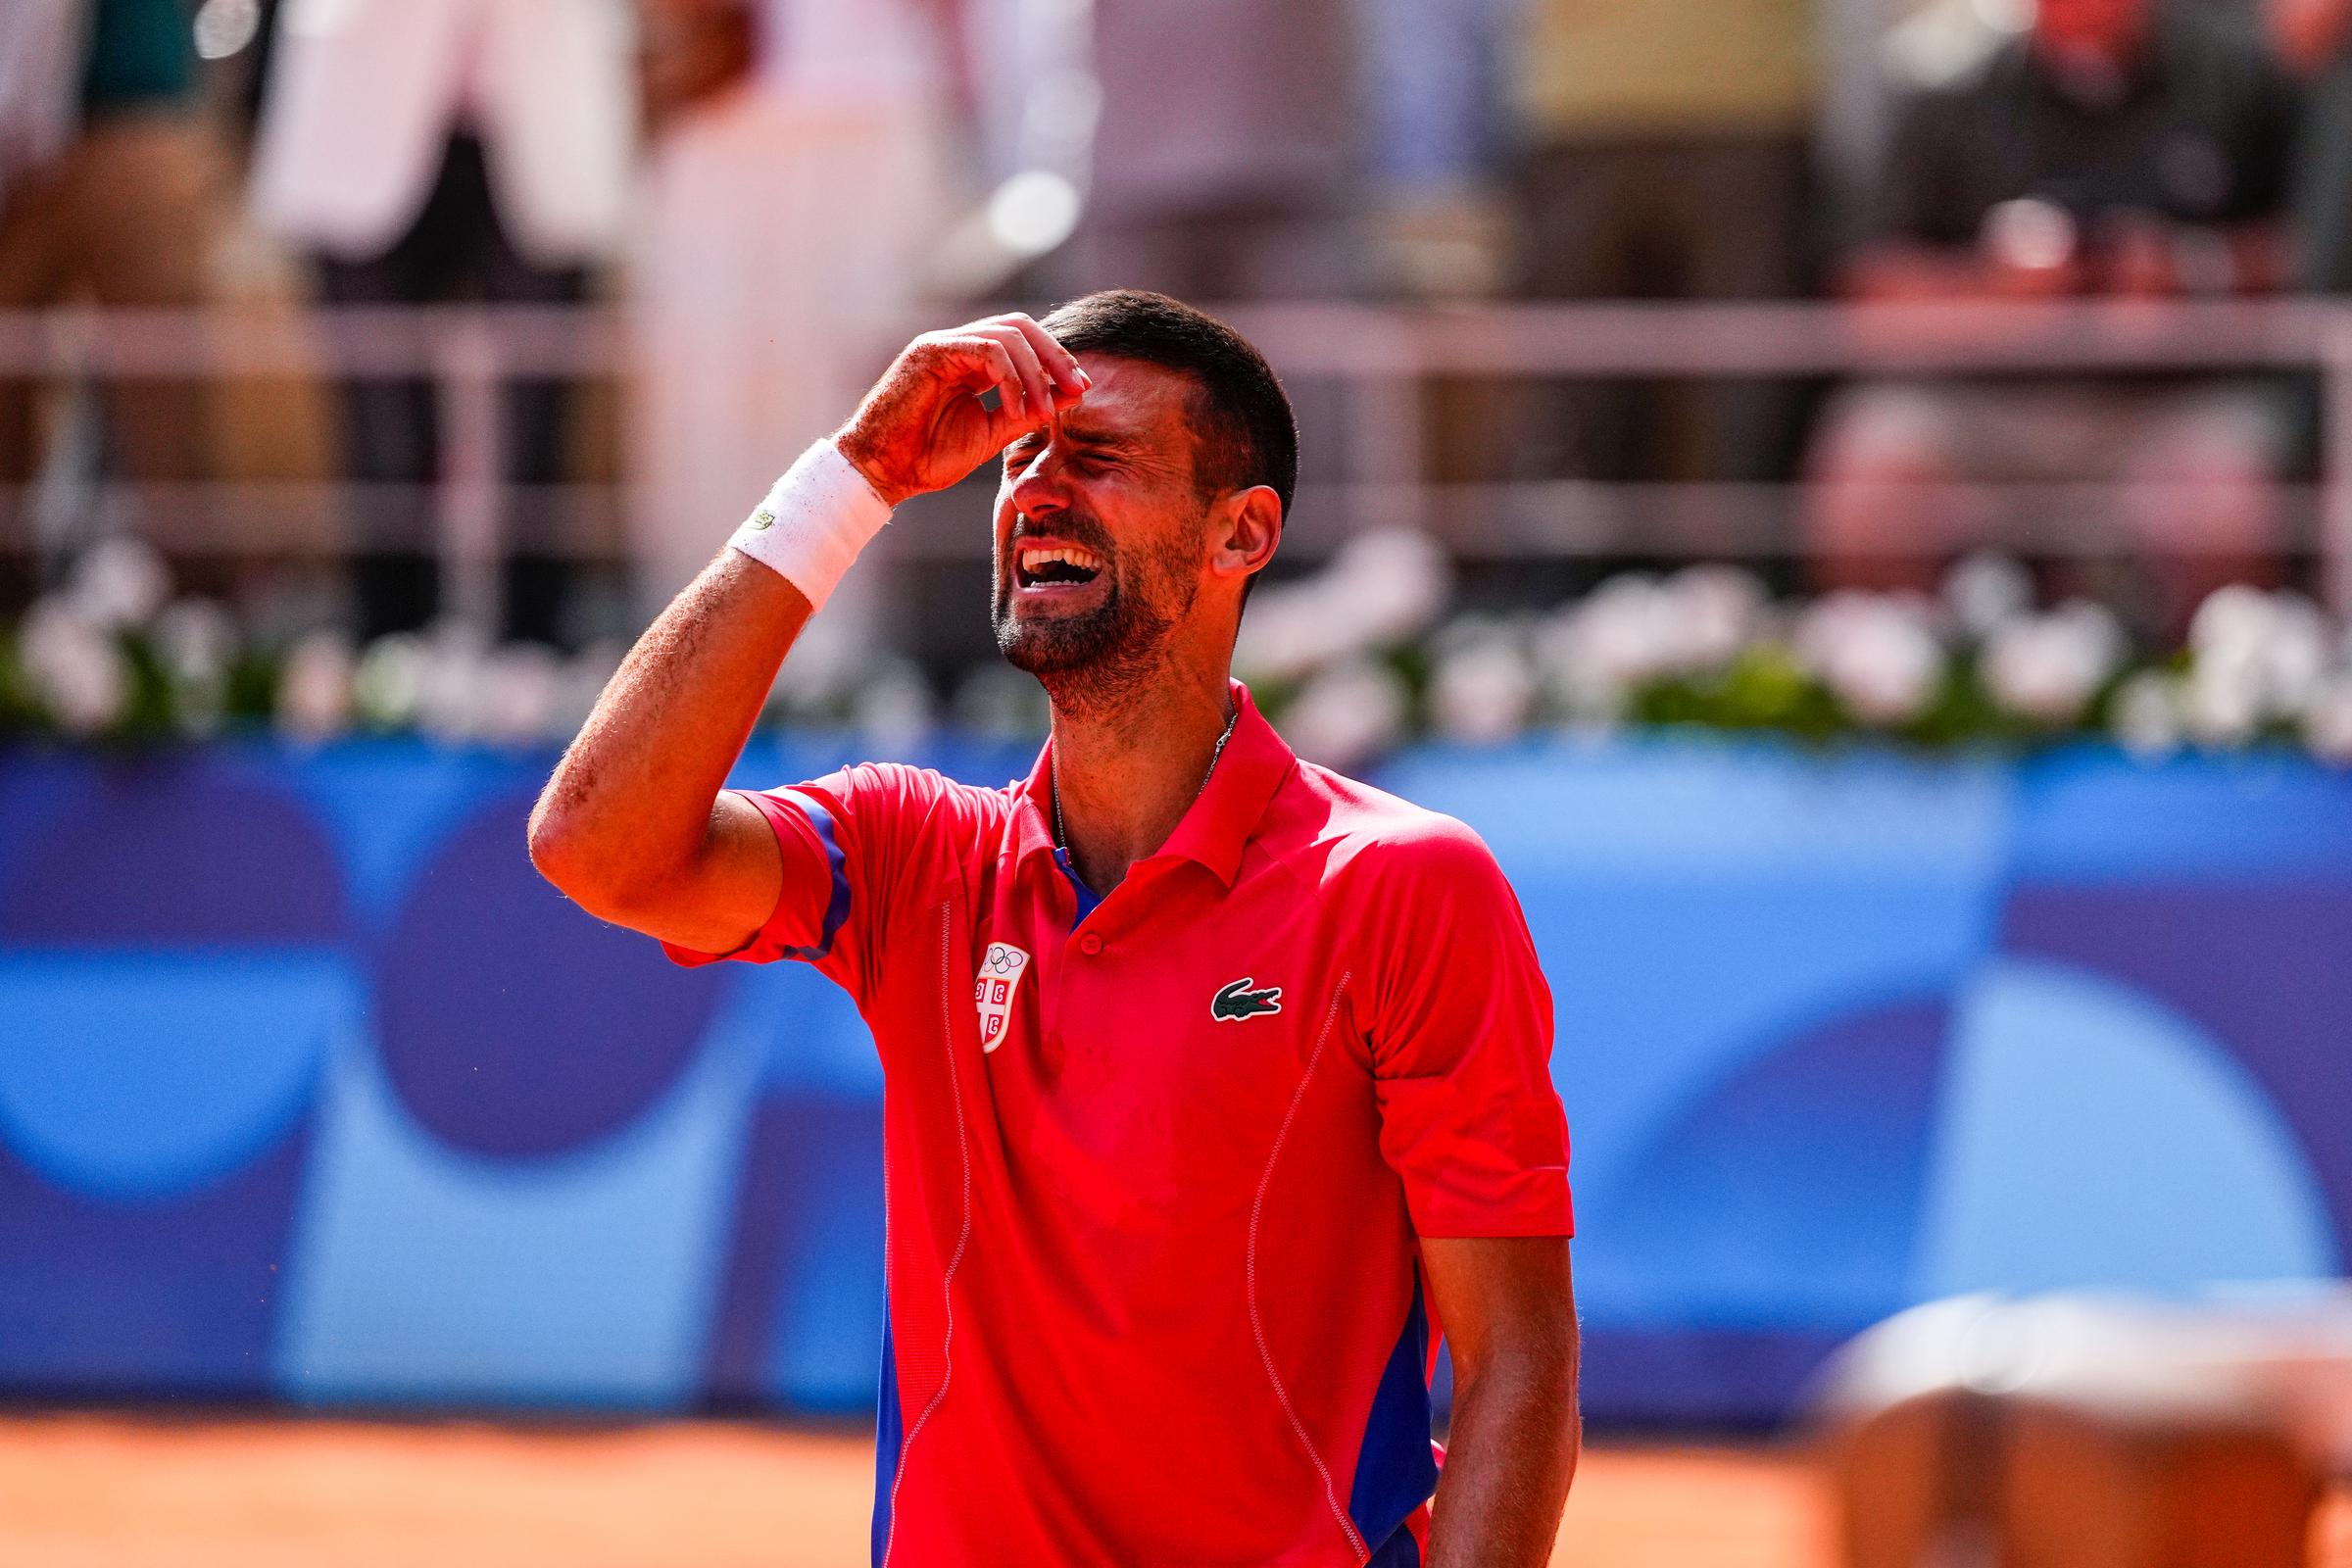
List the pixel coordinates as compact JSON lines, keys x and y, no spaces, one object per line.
{"x":763,"y":518}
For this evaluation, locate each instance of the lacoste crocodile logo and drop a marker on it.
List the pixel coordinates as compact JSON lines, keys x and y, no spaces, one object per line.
{"x":762,"y":519}
{"x":1238,"y":1001}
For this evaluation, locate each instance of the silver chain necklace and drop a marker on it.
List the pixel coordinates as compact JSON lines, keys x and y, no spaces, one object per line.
{"x":1061,"y":836}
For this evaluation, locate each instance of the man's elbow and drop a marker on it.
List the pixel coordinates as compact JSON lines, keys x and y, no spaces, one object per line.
{"x":571,"y":860}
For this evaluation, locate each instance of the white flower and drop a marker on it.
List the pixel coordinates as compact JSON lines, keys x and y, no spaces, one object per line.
{"x":2147,"y":714}
{"x":1984,"y":590}
{"x":2222,"y":698}
{"x":197,"y":638}
{"x":74,"y":665}
{"x":1597,"y":650}
{"x":1348,"y":714}
{"x":582,"y":682}
{"x":2294,"y":655}
{"x":1878,"y":652}
{"x":1380,"y":588}
{"x":518,"y":690}
{"x":2048,"y":668}
{"x":390,"y":683}
{"x":450,"y":694}
{"x":2328,"y":719}
{"x":1391,"y":583}
{"x":1482,"y":691}
{"x":2264,"y":652}
{"x":1712,"y":613}
{"x":1288,"y":632}
{"x":998,"y":700}
{"x":894,"y":709}
{"x":314,"y":688}
{"x":119,"y":582}
{"x":2232,"y":616}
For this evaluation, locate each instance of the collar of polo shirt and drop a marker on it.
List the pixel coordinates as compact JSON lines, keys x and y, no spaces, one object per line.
{"x":1216,"y":827}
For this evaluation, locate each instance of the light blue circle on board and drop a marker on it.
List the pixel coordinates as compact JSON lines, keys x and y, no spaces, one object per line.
{"x":138,"y":1076}
{"x":2091,"y":1137}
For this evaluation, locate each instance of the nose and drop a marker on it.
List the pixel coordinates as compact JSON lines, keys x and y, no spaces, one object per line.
{"x":1037,"y":486}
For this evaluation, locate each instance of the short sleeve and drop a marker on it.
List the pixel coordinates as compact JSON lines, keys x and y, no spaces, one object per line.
{"x":845,"y":839}
{"x":1460,"y":1041}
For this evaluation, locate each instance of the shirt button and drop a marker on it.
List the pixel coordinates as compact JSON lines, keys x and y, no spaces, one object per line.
{"x":1090,"y":943}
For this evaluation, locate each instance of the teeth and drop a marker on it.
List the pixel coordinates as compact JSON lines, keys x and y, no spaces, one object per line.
{"x":1084,"y":559}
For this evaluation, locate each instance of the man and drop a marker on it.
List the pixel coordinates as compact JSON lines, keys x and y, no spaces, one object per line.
{"x":2121,"y":149}
{"x":111,"y":191}
{"x":438,"y":152}
{"x":1666,"y":151}
{"x":1213,"y":1081}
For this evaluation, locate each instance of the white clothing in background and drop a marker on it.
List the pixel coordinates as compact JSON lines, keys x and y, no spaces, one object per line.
{"x":41,"y":45}
{"x":785,"y":229}
{"x":365,"y":94}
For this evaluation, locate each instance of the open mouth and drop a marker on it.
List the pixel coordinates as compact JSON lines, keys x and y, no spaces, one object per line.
{"x":1054,"y":567}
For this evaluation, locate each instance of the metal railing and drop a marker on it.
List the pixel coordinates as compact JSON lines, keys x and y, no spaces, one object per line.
{"x":1384,"y":358}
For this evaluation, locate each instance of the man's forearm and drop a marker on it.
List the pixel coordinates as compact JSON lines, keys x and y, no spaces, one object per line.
{"x":1509,"y":1458}
{"x":630,"y":802}
{"x":633,"y":825}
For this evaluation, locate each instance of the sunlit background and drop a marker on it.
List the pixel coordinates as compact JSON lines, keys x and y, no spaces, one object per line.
{"x":1852,"y":499}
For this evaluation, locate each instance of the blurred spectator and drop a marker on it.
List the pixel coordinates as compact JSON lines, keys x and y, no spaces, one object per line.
{"x":449,"y":150}
{"x":792,"y":186}
{"x":2314,"y":38}
{"x":110,"y":189}
{"x":1225,"y":159}
{"x":1435,"y":69}
{"x":1667,"y":158}
{"x":2119,"y":148}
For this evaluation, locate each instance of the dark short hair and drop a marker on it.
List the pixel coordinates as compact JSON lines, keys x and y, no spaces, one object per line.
{"x":1244,"y":433}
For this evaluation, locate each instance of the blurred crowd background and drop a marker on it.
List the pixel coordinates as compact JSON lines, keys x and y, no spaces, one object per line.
{"x":243,"y":244}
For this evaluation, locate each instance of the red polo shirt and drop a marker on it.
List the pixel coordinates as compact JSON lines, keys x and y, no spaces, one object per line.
{"x":1155,"y":1175}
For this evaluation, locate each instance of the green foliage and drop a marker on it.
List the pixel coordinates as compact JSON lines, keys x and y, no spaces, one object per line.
{"x":1764,"y":688}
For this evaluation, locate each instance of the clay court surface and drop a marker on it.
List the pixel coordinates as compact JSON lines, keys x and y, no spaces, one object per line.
{"x":91,"y":1492}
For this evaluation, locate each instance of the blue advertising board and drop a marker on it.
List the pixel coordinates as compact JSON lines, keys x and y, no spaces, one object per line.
{"x":312,"y":1091}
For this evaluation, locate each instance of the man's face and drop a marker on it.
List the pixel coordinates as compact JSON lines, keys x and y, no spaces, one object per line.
{"x":2105,"y":29}
{"x":1099,"y":536}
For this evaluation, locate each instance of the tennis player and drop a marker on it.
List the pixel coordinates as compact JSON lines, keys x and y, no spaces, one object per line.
{"x":1215,"y":1082}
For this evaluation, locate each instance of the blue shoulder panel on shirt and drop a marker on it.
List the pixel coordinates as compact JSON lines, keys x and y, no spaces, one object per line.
{"x":837,"y":906}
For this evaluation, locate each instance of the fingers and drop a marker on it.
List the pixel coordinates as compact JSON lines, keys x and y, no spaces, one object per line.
{"x":1050,"y":376}
{"x":1060,"y":363}
{"x":982,"y":361}
{"x":1037,"y":388}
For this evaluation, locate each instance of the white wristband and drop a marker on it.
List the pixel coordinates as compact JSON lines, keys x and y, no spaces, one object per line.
{"x":813,"y":522}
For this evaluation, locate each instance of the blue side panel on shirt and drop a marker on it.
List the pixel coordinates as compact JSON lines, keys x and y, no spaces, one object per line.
{"x":890,"y":1438}
{"x":1400,"y":1551}
{"x":1395,"y":1471}
{"x":837,"y":908}
{"x":1088,"y":897}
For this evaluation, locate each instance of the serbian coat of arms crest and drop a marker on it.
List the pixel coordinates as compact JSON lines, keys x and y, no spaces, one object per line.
{"x":1001,"y":970}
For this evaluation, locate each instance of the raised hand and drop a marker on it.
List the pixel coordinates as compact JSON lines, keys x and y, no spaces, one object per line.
{"x":923,"y":426}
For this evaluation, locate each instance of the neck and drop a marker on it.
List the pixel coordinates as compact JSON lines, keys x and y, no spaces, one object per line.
{"x":1125,"y":776}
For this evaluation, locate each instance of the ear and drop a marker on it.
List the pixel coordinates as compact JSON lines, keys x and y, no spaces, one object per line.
{"x":1243,"y":529}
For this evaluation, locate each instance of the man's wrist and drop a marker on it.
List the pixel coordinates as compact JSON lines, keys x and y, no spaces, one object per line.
{"x":855,"y":450}
{"x":815,"y":521}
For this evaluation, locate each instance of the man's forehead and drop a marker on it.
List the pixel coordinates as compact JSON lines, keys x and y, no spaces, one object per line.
{"x":1127,"y":396}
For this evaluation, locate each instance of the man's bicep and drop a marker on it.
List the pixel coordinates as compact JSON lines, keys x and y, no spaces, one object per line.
{"x":728,"y":892}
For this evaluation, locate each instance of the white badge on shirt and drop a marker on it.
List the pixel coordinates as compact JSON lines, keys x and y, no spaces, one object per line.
{"x":1001,"y":970}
